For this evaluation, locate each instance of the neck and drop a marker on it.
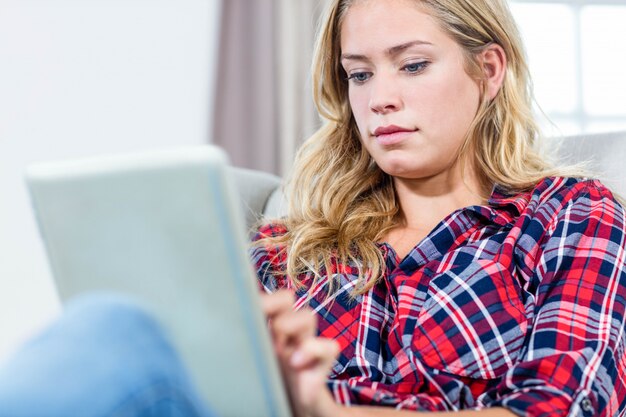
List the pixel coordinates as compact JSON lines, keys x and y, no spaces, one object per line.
{"x":425,"y":202}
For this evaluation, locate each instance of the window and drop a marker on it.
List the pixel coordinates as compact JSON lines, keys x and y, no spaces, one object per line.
{"x":576,"y":56}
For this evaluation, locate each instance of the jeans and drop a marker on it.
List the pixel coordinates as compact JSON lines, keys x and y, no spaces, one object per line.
{"x":104,"y":357}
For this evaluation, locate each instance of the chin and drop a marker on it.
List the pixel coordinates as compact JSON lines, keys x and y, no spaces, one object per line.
{"x":399,"y":167}
{"x":403,"y":172}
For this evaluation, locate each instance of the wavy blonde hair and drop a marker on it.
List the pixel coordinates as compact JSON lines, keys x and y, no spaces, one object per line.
{"x":341,"y":203}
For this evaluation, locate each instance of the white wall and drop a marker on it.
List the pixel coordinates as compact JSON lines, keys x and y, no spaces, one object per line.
{"x":82,"y":77}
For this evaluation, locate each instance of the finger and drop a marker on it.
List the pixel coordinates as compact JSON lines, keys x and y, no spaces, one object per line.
{"x":277,"y":303}
{"x":291,"y":328}
{"x":308,"y":369}
{"x":295,"y":324}
{"x":315,"y":352}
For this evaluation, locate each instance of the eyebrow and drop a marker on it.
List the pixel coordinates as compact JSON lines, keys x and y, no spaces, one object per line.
{"x":392,"y":51}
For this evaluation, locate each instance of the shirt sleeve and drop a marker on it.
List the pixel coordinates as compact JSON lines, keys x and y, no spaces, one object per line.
{"x":573,"y":361}
{"x":269,"y":259}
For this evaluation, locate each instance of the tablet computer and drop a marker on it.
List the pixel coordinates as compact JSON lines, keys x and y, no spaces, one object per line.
{"x":166,"y":228}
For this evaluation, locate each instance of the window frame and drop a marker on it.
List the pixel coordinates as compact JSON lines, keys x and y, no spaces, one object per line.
{"x":579,"y":116}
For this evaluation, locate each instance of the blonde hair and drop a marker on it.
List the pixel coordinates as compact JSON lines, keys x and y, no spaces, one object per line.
{"x":341,"y":203}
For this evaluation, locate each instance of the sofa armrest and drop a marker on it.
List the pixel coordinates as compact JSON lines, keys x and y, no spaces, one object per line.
{"x":260,"y":194}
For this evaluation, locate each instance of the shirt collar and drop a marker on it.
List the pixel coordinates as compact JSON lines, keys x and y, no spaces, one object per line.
{"x":505,"y":207}
{"x":500,"y":198}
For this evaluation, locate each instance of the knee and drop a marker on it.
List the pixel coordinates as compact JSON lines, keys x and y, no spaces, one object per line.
{"x":106,"y":318}
{"x":105,"y":351}
{"x":108,"y":309}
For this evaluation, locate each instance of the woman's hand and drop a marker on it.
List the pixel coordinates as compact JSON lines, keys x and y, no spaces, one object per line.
{"x":304,"y":358}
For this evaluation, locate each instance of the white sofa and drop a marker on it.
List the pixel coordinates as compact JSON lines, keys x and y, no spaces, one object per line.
{"x":606,"y":153}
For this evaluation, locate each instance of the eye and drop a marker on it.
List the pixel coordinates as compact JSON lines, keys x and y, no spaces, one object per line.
{"x":359,"y":77}
{"x":415,"y":67}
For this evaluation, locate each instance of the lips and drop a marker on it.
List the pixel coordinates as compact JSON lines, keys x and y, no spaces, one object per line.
{"x":388,"y":130}
{"x":392,"y":134}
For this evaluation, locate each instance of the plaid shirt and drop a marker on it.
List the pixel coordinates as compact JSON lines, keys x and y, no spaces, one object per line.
{"x":519,"y":303}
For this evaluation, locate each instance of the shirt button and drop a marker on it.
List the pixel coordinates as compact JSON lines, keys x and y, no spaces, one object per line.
{"x":586,"y":404}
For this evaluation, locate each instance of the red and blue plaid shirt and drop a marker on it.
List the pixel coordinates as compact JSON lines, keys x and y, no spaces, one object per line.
{"x":519,"y":303}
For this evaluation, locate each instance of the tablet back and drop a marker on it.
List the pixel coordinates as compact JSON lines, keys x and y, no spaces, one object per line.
{"x":166,"y":228}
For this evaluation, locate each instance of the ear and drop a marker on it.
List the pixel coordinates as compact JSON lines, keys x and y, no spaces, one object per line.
{"x":493,"y":62}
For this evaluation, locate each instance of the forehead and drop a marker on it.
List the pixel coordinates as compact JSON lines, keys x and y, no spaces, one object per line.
{"x":385,"y":23}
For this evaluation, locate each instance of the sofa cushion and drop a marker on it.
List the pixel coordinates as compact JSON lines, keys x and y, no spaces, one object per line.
{"x":605,"y":154}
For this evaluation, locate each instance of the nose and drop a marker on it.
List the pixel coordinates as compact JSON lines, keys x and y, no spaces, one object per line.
{"x":385,"y":95}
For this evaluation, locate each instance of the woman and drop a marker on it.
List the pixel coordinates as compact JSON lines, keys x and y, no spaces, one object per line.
{"x":448,"y":266}
{"x":447,"y":263}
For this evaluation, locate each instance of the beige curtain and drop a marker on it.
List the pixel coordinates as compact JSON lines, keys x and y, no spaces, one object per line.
{"x":263,"y":105}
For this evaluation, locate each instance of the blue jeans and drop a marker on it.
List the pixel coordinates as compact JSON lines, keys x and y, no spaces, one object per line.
{"x":104,"y":357}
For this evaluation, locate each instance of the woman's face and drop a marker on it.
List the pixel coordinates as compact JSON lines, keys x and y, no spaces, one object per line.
{"x":411,"y":98}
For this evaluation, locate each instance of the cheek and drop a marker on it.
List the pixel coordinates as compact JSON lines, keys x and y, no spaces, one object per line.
{"x":452,"y":103}
{"x":467,"y":92}
{"x":359,"y":106}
